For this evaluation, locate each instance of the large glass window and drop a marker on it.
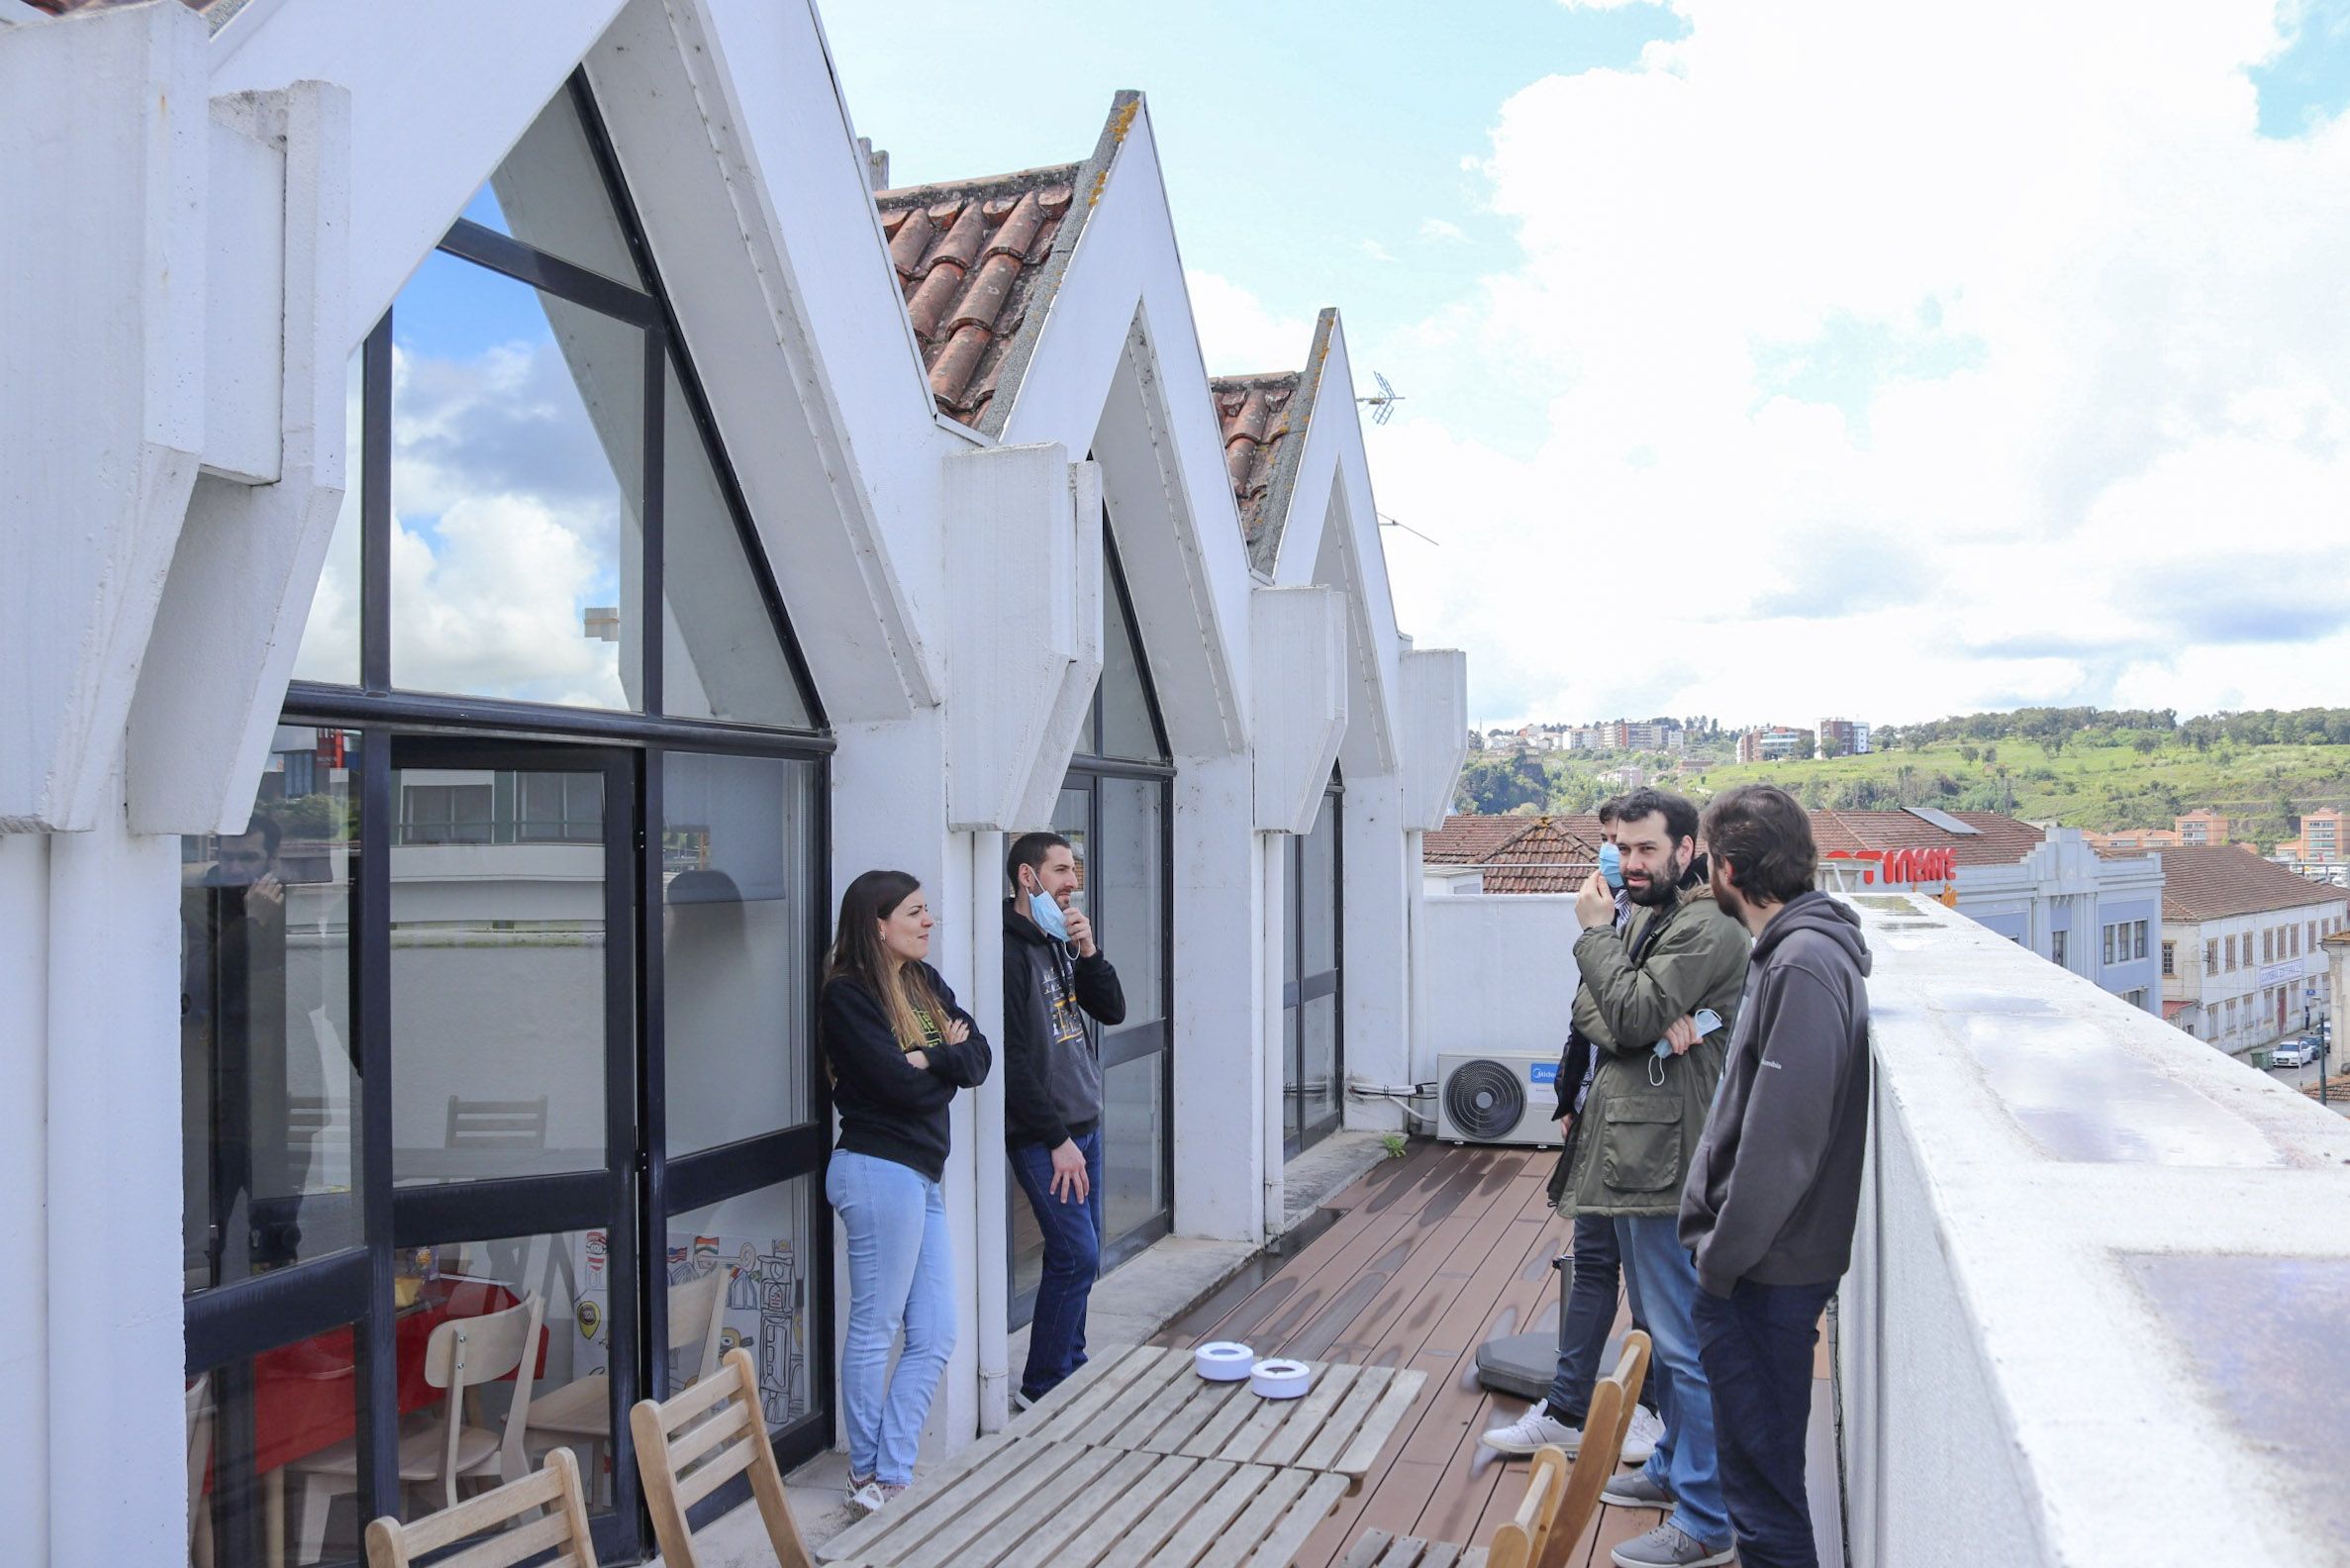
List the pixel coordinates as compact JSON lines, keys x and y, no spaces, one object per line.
{"x":1313,"y":1061}
{"x":738,"y":933}
{"x":518,"y":471}
{"x":499,"y":1004}
{"x":270,"y":1086}
{"x":1115,"y":809}
{"x":763,"y":1242}
{"x":570,"y":949}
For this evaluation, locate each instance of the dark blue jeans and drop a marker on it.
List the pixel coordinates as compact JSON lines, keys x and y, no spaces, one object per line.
{"x":1757,"y":1348}
{"x":1592,"y":1292}
{"x":1073,"y":1261}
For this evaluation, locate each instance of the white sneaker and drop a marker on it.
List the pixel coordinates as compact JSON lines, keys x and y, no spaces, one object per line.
{"x":1532,"y":1431}
{"x":865,"y":1497}
{"x":1642,"y":1436}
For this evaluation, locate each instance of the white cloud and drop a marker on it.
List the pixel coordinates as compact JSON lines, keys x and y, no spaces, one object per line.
{"x":1374,"y":251}
{"x":1441,"y":231}
{"x":1892,"y":367}
{"x":1239,"y":335}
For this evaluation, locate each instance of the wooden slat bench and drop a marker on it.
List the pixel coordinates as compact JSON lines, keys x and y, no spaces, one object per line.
{"x":1139,"y":1462}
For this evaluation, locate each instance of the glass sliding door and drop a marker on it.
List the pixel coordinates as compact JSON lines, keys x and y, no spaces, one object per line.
{"x":1117,"y":810}
{"x":498,"y":1016}
{"x":1313,"y":1062}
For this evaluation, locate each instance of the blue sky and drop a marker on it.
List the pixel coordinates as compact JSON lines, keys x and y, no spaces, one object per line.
{"x":1762,"y":360}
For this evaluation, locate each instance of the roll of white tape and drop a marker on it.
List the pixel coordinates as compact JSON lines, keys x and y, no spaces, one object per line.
{"x":1280,"y":1379}
{"x":1223,"y":1361}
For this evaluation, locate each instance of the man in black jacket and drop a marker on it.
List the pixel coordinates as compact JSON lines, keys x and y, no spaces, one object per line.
{"x":1772,"y":1195}
{"x":1053,"y":1091}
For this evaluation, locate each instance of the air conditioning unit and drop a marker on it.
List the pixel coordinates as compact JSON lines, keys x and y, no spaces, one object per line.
{"x":1497,"y":1097}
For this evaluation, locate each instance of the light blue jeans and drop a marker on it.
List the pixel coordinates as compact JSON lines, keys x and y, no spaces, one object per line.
{"x":901,"y":1275}
{"x":1662,"y":1281}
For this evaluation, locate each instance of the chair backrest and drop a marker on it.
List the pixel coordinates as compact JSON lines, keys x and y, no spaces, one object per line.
{"x":199,"y":1447}
{"x":1521,"y":1540}
{"x":694,"y":1308}
{"x":466,"y":1352}
{"x":1605,"y":1425}
{"x":497,"y":1124}
{"x":562,"y":1527}
{"x":698,"y":1441}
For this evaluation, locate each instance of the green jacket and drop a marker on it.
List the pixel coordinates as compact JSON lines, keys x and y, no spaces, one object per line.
{"x":1631,"y":1146}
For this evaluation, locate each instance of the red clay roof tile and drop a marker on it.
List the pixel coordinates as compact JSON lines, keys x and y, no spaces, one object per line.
{"x":2203,"y":882}
{"x":971,"y":255}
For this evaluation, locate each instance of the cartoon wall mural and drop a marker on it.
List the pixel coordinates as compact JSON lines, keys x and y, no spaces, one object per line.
{"x":765,"y":1311}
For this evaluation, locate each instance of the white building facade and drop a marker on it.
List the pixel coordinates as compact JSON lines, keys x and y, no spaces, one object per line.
{"x":509,"y":564}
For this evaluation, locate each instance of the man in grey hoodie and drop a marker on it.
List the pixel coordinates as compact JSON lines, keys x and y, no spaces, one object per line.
{"x":1772,"y":1195}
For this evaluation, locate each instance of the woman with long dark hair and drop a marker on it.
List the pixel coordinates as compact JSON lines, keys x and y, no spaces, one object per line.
{"x":897,"y":1048}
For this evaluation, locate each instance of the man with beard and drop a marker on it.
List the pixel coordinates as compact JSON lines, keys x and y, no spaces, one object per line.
{"x":1775,"y":1187}
{"x":1678,"y":954}
{"x":1556,"y":1421}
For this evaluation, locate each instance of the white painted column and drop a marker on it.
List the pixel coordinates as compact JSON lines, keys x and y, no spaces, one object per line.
{"x":23,"y":1188}
{"x":991,"y":1227}
{"x":117,"y":1353}
{"x":1218,"y":1025}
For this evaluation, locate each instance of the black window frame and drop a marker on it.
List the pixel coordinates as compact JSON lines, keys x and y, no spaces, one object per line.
{"x":640,"y":1187}
{"x":1132,"y":1043}
{"x":1298,"y":987}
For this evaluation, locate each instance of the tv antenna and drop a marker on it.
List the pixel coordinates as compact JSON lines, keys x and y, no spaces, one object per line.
{"x":1383,"y":407}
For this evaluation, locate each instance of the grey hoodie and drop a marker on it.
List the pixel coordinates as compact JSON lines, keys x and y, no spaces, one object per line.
{"x":1775,"y":1187}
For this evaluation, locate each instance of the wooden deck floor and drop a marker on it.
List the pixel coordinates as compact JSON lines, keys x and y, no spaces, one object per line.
{"x":1431,"y":1255}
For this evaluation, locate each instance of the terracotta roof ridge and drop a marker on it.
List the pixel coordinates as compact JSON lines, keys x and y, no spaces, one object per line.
{"x":1027,"y":179}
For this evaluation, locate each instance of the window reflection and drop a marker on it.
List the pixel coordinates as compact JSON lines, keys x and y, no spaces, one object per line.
{"x":517,"y":464}
{"x":737,"y":935}
{"x":270,"y":1086}
{"x":498,"y":941}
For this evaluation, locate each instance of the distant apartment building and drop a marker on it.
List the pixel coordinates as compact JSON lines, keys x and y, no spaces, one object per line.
{"x":2321,"y":845}
{"x":2242,"y":958}
{"x":1843,"y":737}
{"x":2097,"y":914}
{"x":1776,"y":743}
{"x":2133,"y":839}
{"x":1622,"y":736}
{"x":2202,"y":828}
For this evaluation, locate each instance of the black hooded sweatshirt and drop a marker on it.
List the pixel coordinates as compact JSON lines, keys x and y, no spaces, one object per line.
{"x":1052,"y":1083}
{"x":1775,"y":1187}
{"x":888,"y":1109}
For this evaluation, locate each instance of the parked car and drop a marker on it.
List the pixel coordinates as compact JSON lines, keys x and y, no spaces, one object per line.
{"x":2294,"y":1053}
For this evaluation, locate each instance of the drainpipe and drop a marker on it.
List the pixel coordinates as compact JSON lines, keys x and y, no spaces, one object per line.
{"x":988,"y":1230}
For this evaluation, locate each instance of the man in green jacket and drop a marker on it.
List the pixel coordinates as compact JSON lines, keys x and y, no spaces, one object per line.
{"x":1677,"y":955}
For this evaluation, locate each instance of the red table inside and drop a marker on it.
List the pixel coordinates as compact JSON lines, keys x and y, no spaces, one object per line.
{"x":305,"y":1394}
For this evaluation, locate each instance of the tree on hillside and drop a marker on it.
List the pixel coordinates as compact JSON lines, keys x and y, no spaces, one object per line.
{"x":2145,"y":744}
{"x":1969,"y":753}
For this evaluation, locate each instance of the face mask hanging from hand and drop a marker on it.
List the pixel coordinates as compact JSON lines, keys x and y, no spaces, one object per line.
{"x":1048,"y":915}
{"x":1611,"y":867}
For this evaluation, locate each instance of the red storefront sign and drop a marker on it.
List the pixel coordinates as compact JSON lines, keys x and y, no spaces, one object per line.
{"x":1906,"y":866}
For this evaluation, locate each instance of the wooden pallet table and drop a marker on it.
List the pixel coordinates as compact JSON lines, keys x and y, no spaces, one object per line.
{"x":1137,"y":1462}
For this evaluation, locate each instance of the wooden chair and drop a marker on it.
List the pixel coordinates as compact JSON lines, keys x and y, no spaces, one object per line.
{"x":563,"y":1528}
{"x":462,"y":1353}
{"x":1560,"y":1499}
{"x":496,"y":1124}
{"x":199,"y":1463}
{"x":698,"y":1441}
{"x":581,"y":1409}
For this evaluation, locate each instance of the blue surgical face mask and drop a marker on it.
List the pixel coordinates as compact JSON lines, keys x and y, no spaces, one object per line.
{"x":1611,"y":867}
{"x":1048,"y":915}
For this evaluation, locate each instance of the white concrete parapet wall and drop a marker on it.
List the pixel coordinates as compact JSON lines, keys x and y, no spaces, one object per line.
{"x":2100,"y":1303}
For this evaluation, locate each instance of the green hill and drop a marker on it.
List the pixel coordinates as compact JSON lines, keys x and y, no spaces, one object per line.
{"x":2129,"y":779}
